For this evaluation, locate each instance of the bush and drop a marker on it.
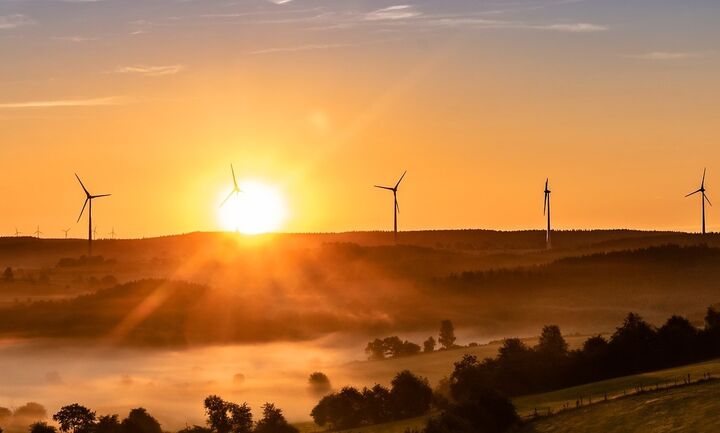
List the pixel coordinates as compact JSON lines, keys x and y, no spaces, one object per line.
{"x":410,"y":395}
{"x":40,"y":427}
{"x":349,"y":408}
{"x":319,"y":383}
{"x":273,"y":421}
{"x":140,"y":421}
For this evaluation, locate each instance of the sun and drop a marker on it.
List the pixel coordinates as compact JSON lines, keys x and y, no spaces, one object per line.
{"x":259,"y":208}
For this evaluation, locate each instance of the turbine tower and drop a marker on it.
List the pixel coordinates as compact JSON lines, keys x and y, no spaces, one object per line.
{"x":396,"y":206}
{"x":89,"y":199}
{"x":37,"y":232}
{"x":546,"y":211}
{"x":17,"y":233}
{"x":112,"y":233}
{"x":703,"y":198}
{"x":235,"y":192}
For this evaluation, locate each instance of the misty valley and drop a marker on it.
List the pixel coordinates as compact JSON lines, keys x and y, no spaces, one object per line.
{"x":162,"y":323}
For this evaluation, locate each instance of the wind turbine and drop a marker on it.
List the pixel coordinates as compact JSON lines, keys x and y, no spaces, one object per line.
{"x":66,"y":231}
{"x":112,"y":233}
{"x":235,"y":191}
{"x":37,"y":232}
{"x":17,"y":233}
{"x":701,"y":190}
{"x":89,"y":199}
{"x":546,"y":211}
{"x":396,"y":207}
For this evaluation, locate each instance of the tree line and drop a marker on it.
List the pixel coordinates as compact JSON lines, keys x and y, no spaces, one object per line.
{"x":222,"y":417}
{"x":394,"y":347}
{"x":409,"y":396}
{"x":635,"y":347}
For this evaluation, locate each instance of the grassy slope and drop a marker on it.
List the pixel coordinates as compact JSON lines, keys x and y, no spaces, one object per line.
{"x":687,"y":409}
{"x":681,"y":409}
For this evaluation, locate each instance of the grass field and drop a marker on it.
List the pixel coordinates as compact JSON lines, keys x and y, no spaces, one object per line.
{"x":694,"y":408}
{"x":613,"y":387}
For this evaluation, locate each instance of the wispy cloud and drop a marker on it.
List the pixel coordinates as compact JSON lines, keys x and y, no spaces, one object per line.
{"x":151,"y":71}
{"x":308,"y":47}
{"x":573,"y":27}
{"x":60,"y":103}
{"x":397,"y":12}
{"x":76,"y":39}
{"x":668,"y":55}
{"x":13,"y":21}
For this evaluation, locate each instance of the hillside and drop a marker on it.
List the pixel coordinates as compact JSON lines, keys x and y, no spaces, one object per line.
{"x":271,"y":293}
{"x":692,"y":409}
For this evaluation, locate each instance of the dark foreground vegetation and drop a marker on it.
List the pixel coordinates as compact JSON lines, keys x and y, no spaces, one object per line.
{"x":222,"y":417}
{"x":634,"y":347}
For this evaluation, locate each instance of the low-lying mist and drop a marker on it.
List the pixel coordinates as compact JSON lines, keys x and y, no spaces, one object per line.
{"x":171,"y":384}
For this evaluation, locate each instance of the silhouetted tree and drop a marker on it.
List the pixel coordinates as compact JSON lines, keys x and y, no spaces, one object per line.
{"x":447,"y":334}
{"x":392,"y":347}
{"x":8,"y":275}
{"x":712,"y":319}
{"x":107,"y":424}
{"x":227,"y":417}
{"x":552,"y":344}
{"x":633,"y":347}
{"x":273,"y":421}
{"x":678,"y":340}
{"x":140,"y":421}
{"x":319,"y":383}
{"x":75,"y":419}
{"x":429,"y":345}
{"x":341,"y":410}
{"x":377,"y":406}
{"x":477,"y":408}
{"x":410,"y":395}
{"x":40,"y":427}
{"x":375,"y":349}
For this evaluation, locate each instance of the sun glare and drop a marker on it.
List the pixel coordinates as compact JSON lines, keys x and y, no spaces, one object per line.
{"x":258,"y":208}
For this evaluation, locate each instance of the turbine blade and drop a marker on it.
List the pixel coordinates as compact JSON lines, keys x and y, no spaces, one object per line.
{"x":100,"y":196}
{"x":385,"y":187}
{"x":233,"y":175}
{"x":401,"y":179}
{"x":82,"y":185}
{"x":397,"y":206}
{"x":83,"y":209}
{"x":228,"y":198}
{"x":703,"y":179}
{"x":545,"y":203}
{"x":708,"y":200}
{"x":693,"y":193}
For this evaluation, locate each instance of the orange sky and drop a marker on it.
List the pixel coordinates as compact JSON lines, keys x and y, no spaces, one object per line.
{"x":616,"y":103}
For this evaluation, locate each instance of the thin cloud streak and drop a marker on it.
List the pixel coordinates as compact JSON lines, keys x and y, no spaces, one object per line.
{"x":67,"y":103}
{"x":668,"y":55}
{"x":151,"y":71}
{"x":308,"y":47}
{"x":14,"y":21}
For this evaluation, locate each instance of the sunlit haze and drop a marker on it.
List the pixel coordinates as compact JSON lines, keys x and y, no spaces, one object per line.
{"x":479,"y":101}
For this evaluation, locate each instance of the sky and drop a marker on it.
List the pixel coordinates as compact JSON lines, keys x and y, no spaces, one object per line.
{"x":616,"y":102}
